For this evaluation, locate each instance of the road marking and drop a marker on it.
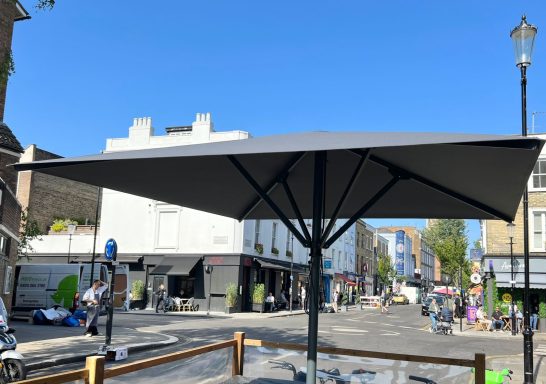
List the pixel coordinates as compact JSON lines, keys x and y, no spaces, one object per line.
{"x":403,"y":326}
{"x":348,"y":330}
{"x":391,"y":333}
{"x":541,"y":350}
{"x":357,"y":320}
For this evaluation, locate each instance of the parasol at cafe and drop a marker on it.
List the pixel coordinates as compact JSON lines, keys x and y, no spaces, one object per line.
{"x":323,"y":176}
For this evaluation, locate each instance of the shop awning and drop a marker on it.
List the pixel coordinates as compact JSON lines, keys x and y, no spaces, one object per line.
{"x":272,"y":265}
{"x":176,"y":266}
{"x":345,"y":279}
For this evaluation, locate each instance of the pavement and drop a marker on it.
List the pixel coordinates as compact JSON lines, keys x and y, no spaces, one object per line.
{"x":45,"y":346}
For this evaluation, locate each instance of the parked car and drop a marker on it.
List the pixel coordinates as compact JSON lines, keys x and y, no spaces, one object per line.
{"x":424,"y":307}
{"x":400,"y":298}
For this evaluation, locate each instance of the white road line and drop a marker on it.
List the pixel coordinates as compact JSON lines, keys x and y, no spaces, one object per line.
{"x":348,"y":330}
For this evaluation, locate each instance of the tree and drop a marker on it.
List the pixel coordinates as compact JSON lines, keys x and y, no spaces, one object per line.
{"x":385,"y":269}
{"x":29,"y":231}
{"x":448,"y":239}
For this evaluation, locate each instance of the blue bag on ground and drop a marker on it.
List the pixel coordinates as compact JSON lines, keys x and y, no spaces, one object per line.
{"x":71,"y":321}
{"x":79,"y":314}
{"x":39,"y":318}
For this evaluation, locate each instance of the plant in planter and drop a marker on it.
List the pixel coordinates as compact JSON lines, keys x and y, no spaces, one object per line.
{"x":542,"y":317}
{"x":274,"y":251}
{"x":258,"y":297}
{"x":258,"y":247}
{"x":288,"y":253}
{"x":231,"y":297}
{"x":345,"y":303}
{"x":357,"y":299}
{"x":137,"y":289}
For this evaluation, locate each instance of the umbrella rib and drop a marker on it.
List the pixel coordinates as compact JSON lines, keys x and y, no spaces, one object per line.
{"x":429,"y":183}
{"x":361,"y":211}
{"x":282,"y":175}
{"x":364,"y":155}
{"x":264,"y":196}
{"x":296,"y":209}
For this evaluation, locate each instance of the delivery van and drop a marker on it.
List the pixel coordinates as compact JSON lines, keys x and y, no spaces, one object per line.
{"x":43,"y":286}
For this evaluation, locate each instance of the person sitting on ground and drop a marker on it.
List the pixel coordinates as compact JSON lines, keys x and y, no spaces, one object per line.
{"x":270,"y":302}
{"x":482,"y":317}
{"x":497,"y":319}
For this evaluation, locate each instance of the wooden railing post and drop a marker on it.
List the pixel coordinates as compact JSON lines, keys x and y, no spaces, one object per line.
{"x":238,"y":354}
{"x":480,"y":368}
{"x":95,"y":367}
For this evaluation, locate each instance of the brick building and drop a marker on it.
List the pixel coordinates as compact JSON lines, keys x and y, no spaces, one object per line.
{"x":10,"y":152}
{"x":48,"y":197}
{"x":496,"y":242}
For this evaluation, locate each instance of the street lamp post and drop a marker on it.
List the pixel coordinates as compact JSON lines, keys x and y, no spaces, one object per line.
{"x":291,"y":272}
{"x":510,"y":227}
{"x":523,"y":37}
{"x":208,"y":270}
{"x":71,"y":230}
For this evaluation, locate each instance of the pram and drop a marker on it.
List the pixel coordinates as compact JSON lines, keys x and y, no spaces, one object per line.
{"x":445,"y":321}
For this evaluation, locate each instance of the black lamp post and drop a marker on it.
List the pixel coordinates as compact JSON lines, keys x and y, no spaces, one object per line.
{"x":208,"y":270}
{"x":71,"y":229}
{"x":446,"y":279}
{"x":523,"y":37}
{"x":510,"y":227}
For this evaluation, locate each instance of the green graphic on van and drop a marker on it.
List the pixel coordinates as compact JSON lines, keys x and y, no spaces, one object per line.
{"x":65,"y":291}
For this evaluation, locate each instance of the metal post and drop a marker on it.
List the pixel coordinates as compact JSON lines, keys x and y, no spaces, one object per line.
{"x":208,"y":269}
{"x":514,"y":327}
{"x":291,"y":274}
{"x":95,"y":238}
{"x":110,"y":317}
{"x":460,"y":299}
{"x":527,"y":333}
{"x":314,"y":286}
{"x":69,"y":244}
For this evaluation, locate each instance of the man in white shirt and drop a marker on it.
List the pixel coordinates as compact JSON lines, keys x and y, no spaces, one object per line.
{"x":92,"y":298}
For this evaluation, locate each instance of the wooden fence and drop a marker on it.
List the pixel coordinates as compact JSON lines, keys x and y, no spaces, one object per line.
{"x":94,"y":372}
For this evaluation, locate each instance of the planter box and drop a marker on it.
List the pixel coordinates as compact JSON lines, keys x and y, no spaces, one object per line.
{"x":541,"y":326}
{"x":344,"y":308}
{"x":358,"y":307}
{"x":257,"y":307}
{"x":231,"y":310}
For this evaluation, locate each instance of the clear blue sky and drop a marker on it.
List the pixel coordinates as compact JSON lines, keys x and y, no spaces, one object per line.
{"x":85,"y":69}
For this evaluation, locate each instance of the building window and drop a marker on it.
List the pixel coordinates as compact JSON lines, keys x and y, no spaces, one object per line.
{"x":7,"y":279}
{"x":538,"y":226}
{"x":257,"y":232}
{"x":3,"y":245}
{"x":538,"y":177}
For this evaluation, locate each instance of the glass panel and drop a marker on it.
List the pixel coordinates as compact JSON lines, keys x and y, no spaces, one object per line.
{"x":536,"y":167}
{"x":542,"y":181}
{"x":536,"y":182}
{"x":286,"y":366}
{"x":537,"y":240}
{"x":542,"y":166}
{"x":537,"y":221}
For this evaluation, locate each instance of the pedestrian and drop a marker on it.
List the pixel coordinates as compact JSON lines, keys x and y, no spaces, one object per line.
{"x":457,"y":306}
{"x":270,"y":302}
{"x":335,"y":297}
{"x":161,"y":291}
{"x":92,"y":298}
{"x":302,"y":295}
{"x":534,"y":315}
{"x":496,"y":317}
{"x":384,"y":299}
{"x":433,"y":310}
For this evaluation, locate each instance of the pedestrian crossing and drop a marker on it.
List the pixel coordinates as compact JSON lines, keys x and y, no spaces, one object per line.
{"x":541,"y":350}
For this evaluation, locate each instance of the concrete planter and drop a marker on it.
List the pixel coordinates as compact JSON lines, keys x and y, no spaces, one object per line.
{"x":230,"y":310}
{"x":541,"y":326}
{"x":344,"y":308}
{"x":257,"y":307}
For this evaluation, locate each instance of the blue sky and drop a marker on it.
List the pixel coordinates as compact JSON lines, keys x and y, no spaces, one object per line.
{"x":85,"y":69}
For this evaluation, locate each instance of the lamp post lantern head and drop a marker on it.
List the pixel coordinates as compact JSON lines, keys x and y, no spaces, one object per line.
{"x":523,"y":37}
{"x":208,"y":268}
{"x":510,"y":229}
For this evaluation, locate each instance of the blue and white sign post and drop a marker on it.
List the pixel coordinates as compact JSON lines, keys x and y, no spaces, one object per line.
{"x":110,"y":254}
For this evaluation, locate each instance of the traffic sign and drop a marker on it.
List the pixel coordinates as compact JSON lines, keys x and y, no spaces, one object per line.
{"x":111,"y":250}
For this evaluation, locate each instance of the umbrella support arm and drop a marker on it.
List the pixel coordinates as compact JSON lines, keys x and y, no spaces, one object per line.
{"x":410,"y":175}
{"x":265,"y":197}
{"x":296,"y":209}
{"x":363,"y":159}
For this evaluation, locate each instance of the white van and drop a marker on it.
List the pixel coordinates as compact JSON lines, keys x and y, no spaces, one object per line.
{"x":42,"y":286}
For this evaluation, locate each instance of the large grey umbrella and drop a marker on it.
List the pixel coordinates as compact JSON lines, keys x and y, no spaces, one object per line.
{"x":323,"y":175}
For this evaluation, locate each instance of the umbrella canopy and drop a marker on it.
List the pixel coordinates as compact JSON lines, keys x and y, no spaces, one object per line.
{"x":443,"y":290}
{"x":323,"y":175}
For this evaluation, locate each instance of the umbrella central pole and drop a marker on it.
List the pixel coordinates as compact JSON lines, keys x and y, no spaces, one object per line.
{"x":314,"y":284}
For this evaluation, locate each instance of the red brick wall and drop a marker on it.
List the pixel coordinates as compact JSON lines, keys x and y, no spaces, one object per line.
{"x":7,"y":15}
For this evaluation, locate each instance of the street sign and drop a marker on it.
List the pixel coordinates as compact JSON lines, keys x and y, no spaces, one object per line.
{"x":111,"y":250}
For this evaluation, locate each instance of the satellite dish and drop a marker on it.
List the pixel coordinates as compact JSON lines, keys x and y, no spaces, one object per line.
{"x":475,"y":278}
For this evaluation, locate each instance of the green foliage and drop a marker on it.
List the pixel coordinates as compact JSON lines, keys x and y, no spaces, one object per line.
{"x":259,"y":248}
{"x":231,"y":295}
{"x":288,"y":253}
{"x":45,"y":4}
{"x":447,"y":237}
{"x":542,"y":310}
{"x":274,"y":251}
{"x":385,"y":269}
{"x":345,"y":299}
{"x":60,"y":225}
{"x":7,"y":66}
{"x":137,"y":289}
{"x":29,"y":231}
{"x":258,"y":293}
